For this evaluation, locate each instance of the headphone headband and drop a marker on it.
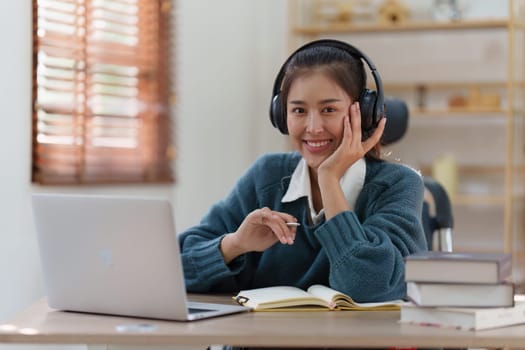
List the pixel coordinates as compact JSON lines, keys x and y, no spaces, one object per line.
{"x":371,"y":102}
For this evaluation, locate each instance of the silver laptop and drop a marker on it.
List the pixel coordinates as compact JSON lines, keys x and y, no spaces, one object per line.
{"x":114,"y":255}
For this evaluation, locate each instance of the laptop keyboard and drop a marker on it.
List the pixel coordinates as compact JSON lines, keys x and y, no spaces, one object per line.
{"x":194,"y":310}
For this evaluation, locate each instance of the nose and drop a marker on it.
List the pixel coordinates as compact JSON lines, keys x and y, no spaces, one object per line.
{"x":314,"y":123}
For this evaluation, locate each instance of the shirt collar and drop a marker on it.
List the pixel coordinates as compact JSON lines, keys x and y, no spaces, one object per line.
{"x":351,"y":182}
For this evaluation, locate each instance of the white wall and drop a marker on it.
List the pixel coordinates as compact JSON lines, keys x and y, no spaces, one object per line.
{"x":18,"y":257}
{"x":227,"y":54}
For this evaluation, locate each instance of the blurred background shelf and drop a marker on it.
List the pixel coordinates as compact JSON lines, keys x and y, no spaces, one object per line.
{"x":316,"y":30}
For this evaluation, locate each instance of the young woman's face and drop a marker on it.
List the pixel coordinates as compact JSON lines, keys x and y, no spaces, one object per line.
{"x":316,"y":106}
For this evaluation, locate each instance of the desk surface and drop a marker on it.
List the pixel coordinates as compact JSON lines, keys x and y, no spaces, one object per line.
{"x":39,"y":324}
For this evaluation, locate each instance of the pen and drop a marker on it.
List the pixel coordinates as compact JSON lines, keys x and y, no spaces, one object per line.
{"x":296,"y":224}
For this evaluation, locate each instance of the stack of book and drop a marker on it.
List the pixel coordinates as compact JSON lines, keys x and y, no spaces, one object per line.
{"x":461,"y":290}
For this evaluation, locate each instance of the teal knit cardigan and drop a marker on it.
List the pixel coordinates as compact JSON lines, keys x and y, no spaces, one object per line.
{"x":357,"y":252}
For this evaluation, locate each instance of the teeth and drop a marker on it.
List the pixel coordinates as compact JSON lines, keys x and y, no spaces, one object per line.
{"x":317,"y":144}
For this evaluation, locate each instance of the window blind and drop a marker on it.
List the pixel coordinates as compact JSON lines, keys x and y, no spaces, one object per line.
{"x":101,"y":91}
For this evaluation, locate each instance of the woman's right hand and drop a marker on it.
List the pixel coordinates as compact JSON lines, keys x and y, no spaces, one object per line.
{"x":261,"y":229}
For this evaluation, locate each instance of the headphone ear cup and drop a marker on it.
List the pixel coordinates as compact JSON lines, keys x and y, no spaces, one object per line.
{"x":278,"y":115}
{"x":367,"y":104}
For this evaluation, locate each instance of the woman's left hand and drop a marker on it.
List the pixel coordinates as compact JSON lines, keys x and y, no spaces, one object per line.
{"x":351,"y":148}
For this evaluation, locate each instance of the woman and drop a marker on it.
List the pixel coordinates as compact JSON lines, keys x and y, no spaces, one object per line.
{"x":359,"y":216}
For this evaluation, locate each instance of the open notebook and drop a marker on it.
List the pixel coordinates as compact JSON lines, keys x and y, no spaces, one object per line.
{"x":114,"y":255}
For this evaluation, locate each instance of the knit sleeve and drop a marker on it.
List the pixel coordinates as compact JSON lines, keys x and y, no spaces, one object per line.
{"x":366,"y":248}
{"x":204,"y":266}
{"x":203,"y":263}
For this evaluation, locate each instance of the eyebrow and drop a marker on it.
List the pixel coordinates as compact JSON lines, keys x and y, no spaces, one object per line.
{"x":322,"y":102}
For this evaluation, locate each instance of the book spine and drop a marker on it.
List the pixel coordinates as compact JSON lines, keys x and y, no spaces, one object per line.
{"x":505,"y":269}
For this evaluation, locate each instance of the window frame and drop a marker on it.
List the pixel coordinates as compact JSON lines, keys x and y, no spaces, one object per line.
{"x":149,"y":156}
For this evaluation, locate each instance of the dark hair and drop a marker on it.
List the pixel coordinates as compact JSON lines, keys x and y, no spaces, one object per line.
{"x":346,"y":70}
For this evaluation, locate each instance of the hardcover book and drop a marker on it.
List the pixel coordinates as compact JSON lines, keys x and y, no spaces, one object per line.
{"x":436,"y":266}
{"x":461,"y":294}
{"x":317,"y":297}
{"x":465,"y":318}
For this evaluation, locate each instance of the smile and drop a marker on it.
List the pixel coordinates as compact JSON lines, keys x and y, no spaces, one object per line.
{"x":317,"y":143}
{"x":317,"y":146}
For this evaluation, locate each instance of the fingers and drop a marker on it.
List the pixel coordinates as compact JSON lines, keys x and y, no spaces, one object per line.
{"x":369,"y":143}
{"x":355,"y":114}
{"x":276,"y":221}
{"x":347,"y":131}
{"x":376,"y":136}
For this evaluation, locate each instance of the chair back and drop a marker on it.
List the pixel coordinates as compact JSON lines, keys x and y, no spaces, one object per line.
{"x":437,"y":218}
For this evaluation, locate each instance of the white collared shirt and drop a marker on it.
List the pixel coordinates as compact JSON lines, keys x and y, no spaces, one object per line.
{"x":351,"y":182}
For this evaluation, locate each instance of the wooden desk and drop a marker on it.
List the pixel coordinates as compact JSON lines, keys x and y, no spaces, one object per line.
{"x":39,"y":324}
